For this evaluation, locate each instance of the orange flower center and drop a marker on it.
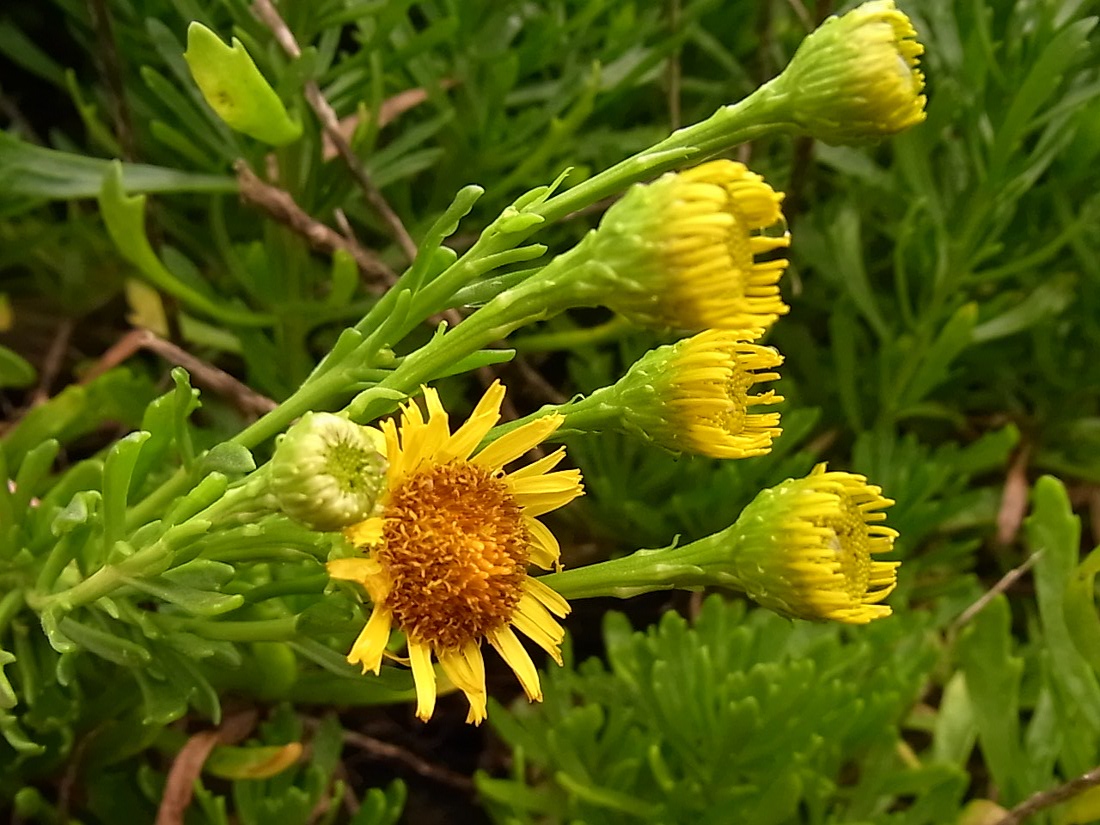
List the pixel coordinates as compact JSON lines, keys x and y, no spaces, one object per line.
{"x":455,"y":549}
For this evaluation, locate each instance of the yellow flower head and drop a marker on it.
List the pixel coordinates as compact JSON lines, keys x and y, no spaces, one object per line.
{"x":446,"y":559}
{"x":695,"y":396}
{"x":682,"y":251}
{"x":806,"y":548}
{"x":856,"y":77}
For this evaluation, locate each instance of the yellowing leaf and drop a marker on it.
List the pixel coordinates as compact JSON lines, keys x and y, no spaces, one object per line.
{"x":235,"y":89}
{"x":258,"y":762}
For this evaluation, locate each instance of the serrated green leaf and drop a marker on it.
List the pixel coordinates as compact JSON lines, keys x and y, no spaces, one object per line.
{"x":125,"y":220}
{"x":993,"y":683}
{"x":1054,"y":532}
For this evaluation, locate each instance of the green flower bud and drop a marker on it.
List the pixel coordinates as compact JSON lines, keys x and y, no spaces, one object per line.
{"x":235,"y":89}
{"x":805,"y":548}
{"x":328,"y":472}
{"x":855,"y":78}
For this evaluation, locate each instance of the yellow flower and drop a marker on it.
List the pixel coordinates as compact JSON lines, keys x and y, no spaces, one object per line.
{"x":856,"y":77}
{"x":446,"y":560}
{"x":693,"y":396}
{"x":707,"y":395}
{"x":682,"y":251}
{"x":805,"y":548}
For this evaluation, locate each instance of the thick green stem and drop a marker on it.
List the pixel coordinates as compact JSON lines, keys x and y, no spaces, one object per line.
{"x":568,"y":339}
{"x":259,"y":630}
{"x":761,"y":113}
{"x":694,"y":565}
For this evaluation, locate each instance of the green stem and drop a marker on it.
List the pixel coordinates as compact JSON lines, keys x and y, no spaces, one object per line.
{"x":598,"y":412}
{"x":309,"y":396}
{"x":10,"y":605}
{"x":694,"y":565}
{"x":757,"y":115}
{"x":259,"y":630}
{"x":112,"y":576}
{"x":309,"y":585}
{"x":574,"y":338}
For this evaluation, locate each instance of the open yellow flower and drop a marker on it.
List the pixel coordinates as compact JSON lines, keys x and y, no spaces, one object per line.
{"x":446,"y":560}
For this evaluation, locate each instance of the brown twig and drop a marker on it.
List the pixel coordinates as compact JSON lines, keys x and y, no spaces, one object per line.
{"x":112,"y":73}
{"x":1045,"y":799}
{"x":390,"y":110}
{"x":1010,"y":515}
{"x":267,"y":12}
{"x":51,"y":365}
{"x":280,"y":206}
{"x":802,"y":13}
{"x":1006,"y":581}
{"x":186,"y":767}
{"x":247,"y":400}
{"x":537,"y":382}
{"x":387,"y":750}
{"x":11,"y":110}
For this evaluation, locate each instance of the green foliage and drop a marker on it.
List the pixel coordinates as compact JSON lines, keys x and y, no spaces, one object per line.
{"x":734,"y":719}
{"x":944,"y":314}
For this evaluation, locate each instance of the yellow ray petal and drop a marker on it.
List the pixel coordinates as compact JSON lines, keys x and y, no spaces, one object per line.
{"x":535,"y":622}
{"x":511,"y":446}
{"x":461,"y":667}
{"x":549,"y":492}
{"x":537,"y":468}
{"x":437,"y":432}
{"x":393,"y":453}
{"x":553,"y":600}
{"x":481,"y":420}
{"x":511,"y":650}
{"x":412,"y":437}
{"x":353,"y":570}
{"x":371,"y":644}
{"x":365,"y":533}
{"x":420,"y":658}
{"x":545,"y":550}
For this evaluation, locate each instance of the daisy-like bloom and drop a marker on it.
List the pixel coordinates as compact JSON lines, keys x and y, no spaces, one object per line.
{"x":856,"y":77}
{"x":327,"y":472}
{"x":694,"y":396}
{"x":806,"y":548}
{"x":446,"y":558}
{"x":682,"y":252}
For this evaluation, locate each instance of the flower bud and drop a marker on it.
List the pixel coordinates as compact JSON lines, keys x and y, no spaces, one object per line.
{"x":856,"y":78}
{"x":682,"y":251}
{"x":693,"y":396}
{"x":328,"y":472}
{"x":805,"y":548}
{"x":235,"y":89}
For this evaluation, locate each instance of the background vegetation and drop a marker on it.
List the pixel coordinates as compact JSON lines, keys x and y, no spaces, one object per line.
{"x":945,"y":315}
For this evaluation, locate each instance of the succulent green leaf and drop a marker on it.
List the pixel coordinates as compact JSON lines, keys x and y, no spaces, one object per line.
{"x":15,"y":371}
{"x":125,"y":220}
{"x":235,"y":88}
